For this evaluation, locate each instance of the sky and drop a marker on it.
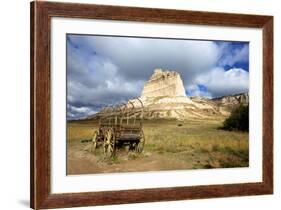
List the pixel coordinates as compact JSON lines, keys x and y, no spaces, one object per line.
{"x":106,"y":70}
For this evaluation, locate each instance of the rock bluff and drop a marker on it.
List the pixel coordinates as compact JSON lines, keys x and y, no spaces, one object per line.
{"x":163,"y":83}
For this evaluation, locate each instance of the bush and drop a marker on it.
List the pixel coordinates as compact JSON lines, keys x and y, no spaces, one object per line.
{"x":238,"y":120}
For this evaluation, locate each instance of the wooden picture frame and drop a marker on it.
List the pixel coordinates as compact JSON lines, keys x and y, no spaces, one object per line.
{"x":41,"y":14}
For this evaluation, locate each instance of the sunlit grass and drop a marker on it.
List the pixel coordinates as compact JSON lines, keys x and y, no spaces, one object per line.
{"x":197,"y":141}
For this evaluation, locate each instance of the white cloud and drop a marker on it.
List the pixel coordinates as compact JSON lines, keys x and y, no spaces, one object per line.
{"x":194,"y":90}
{"x":137,"y":58}
{"x":220,"y":82}
{"x":94,"y":81}
{"x":77,"y":112}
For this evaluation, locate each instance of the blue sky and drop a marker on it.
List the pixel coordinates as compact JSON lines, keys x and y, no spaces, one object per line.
{"x":105,"y":70}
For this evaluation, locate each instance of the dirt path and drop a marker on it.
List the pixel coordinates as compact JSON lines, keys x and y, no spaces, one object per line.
{"x":81,"y":161}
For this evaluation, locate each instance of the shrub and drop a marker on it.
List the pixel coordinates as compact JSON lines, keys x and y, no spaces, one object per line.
{"x":238,"y":120}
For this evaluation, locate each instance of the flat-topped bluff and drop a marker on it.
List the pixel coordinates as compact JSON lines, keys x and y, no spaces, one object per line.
{"x":163,"y":83}
{"x":164,"y":96}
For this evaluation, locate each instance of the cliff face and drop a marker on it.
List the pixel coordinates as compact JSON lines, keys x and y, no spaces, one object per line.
{"x":164,"y":96}
{"x":163,"y":83}
{"x":242,"y":98}
{"x":227,"y":103}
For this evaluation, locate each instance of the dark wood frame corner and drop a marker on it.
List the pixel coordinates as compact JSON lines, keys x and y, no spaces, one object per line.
{"x":41,"y":14}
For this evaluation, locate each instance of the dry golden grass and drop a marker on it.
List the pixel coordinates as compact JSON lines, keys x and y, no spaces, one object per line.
{"x":199,"y":143}
{"x":200,"y":140}
{"x":80,"y":130}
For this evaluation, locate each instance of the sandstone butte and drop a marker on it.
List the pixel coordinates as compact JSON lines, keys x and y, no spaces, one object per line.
{"x":163,"y":83}
{"x":163,"y":96}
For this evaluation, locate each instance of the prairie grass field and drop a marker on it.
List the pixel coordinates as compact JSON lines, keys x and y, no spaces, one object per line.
{"x":169,"y":145}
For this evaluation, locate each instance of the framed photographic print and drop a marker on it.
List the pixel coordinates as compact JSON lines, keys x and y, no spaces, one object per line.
{"x":141,"y":105}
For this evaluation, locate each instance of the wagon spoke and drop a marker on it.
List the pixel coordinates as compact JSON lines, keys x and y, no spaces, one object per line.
{"x":141,"y":143}
{"x":94,"y":141}
{"x":109,"y":143}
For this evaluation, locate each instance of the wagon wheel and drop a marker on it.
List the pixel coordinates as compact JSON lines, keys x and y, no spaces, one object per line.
{"x":140,"y":145}
{"x":94,"y":141}
{"x":109,"y":143}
